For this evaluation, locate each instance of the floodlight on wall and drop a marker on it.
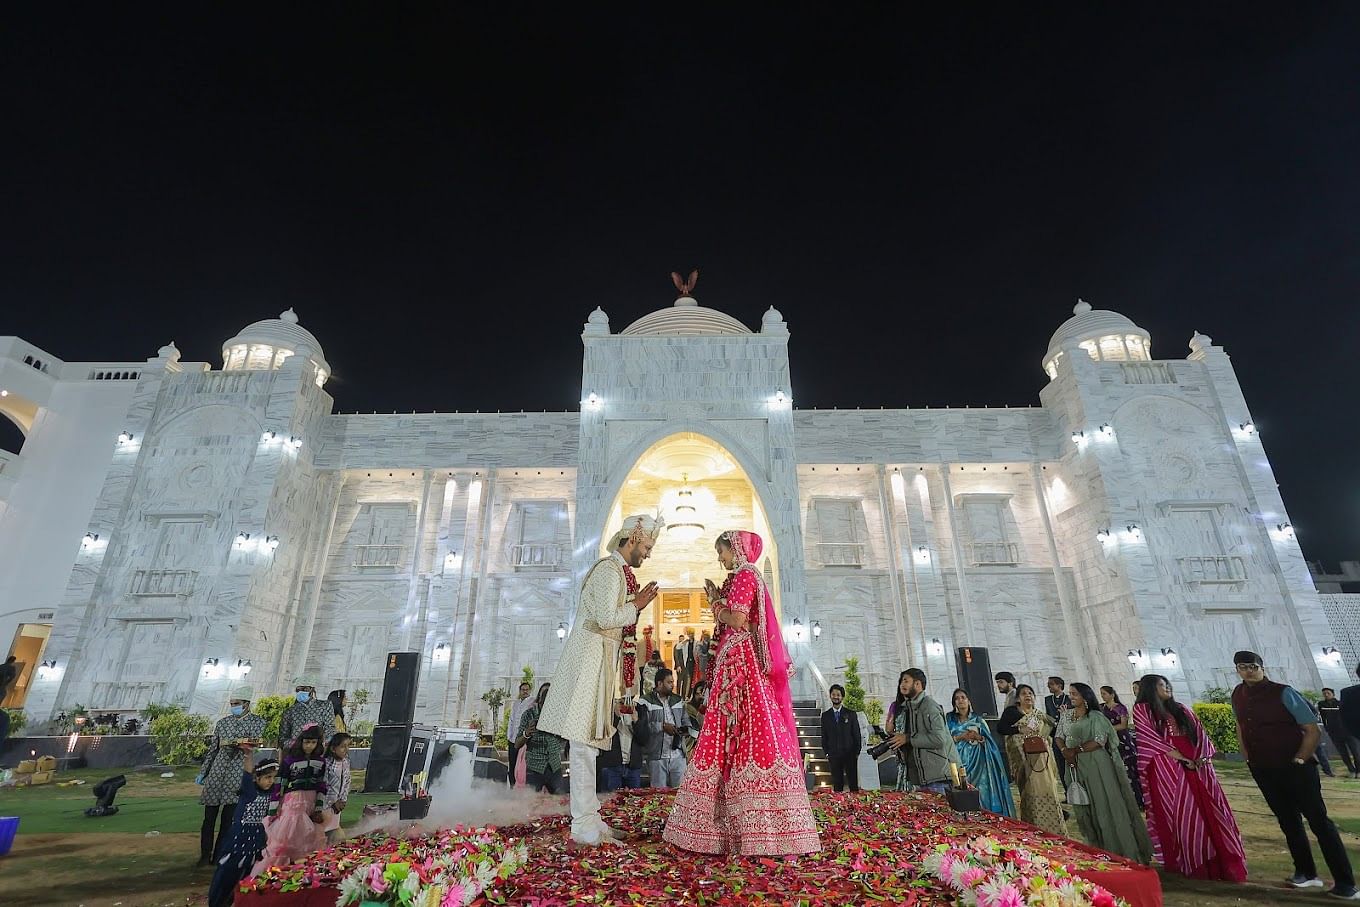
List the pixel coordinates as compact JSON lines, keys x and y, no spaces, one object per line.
{"x":923,"y":554}
{"x":816,"y":629}
{"x":1246,"y":428}
{"x":1284,"y":530}
{"x":1169,"y":654}
{"x":240,"y":669}
{"x":124,"y":436}
{"x":780,"y":400}
{"x":295,"y":441}
{"x":89,"y":541}
{"x":211,"y":668}
{"x":1136,"y":657}
{"x":796,"y":630}
{"x":269,"y":436}
{"x":47,"y":670}
{"x":4,"y":393}
{"x":1102,"y":535}
{"x":271,"y":542}
{"x":1078,"y":437}
{"x":1332,"y":654}
{"x":561,"y":631}
{"x":593,"y":401}
{"x":441,"y":651}
{"x":452,"y":561}
{"x":1133,"y":531}
{"x":242,"y":538}
{"x":1106,"y":430}
{"x":936,"y":647}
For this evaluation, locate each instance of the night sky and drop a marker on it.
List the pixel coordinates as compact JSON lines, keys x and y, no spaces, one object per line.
{"x":445,"y":196}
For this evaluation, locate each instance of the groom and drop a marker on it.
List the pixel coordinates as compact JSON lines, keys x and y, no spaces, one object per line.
{"x":580,"y":704}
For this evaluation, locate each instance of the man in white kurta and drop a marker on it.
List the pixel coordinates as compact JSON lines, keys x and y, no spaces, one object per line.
{"x":580,"y":704}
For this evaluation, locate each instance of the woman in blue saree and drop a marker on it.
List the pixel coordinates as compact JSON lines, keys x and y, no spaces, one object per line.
{"x":980,"y":755}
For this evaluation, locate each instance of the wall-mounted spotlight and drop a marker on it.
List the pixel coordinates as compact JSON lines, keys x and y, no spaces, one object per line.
{"x":1284,"y":530}
{"x":936,"y":647}
{"x":1169,"y":654}
{"x":561,"y":631}
{"x":1078,"y":437}
{"x":1246,"y":428}
{"x":295,"y":441}
{"x":1133,"y":531}
{"x":1332,"y":654}
{"x":89,"y":540}
{"x":1102,"y":535}
{"x":242,"y":538}
{"x":124,"y":436}
{"x":271,"y":542}
{"x":269,"y":436}
{"x":1106,"y":430}
{"x":816,"y":629}
{"x":797,"y":630}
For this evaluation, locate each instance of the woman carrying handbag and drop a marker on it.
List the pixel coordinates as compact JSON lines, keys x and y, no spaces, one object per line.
{"x":1098,"y":786}
{"x":1029,"y":753}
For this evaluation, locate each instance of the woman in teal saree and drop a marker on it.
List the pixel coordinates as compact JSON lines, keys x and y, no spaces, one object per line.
{"x":980,"y":755}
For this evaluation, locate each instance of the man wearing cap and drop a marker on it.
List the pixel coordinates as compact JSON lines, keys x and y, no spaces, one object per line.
{"x":1278,"y":733}
{"x":306,"y":710}
{"x":233,"y":737}
{"x":580,"y":704}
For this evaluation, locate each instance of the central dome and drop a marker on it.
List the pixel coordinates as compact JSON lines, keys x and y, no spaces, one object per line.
{"x":685,"y":318}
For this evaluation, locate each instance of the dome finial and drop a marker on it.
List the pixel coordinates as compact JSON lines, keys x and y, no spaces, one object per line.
{"x":1082,"y":307}
{"x":289,"y":316}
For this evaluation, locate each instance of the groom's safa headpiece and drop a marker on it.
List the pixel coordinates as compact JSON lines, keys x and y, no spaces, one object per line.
{"x":635,"y":528}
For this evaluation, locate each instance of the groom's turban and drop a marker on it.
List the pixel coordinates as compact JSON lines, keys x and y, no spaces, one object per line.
{"x":635,"y":528}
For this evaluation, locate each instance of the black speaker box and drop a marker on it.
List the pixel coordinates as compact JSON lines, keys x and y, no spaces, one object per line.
{"x":387,"y":757}
{"x":398,"y":704}
{"x":975,"y":678}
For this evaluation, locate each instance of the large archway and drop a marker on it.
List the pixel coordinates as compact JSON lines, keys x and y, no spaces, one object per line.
{"x":688,"y":469}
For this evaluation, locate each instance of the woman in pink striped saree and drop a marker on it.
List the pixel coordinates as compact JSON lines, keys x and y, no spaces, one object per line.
{"x":1192,"y":827}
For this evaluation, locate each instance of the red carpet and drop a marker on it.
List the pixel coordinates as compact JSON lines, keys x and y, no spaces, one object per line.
{"x":873,"y":847}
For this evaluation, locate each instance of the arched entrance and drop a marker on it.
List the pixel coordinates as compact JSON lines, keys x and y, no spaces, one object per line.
{"x":689,"y":470}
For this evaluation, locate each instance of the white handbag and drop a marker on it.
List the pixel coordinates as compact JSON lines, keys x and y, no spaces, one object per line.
{"x":1077,"y":794}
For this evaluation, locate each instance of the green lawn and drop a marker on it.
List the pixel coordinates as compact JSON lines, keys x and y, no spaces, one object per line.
{"x":148,"y":803}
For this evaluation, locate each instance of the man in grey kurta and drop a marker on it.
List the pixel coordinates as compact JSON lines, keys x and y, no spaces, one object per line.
{"x":306,"y":710}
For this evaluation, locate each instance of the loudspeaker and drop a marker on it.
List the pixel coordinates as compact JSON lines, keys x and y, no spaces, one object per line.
{"x":398,"y":704}
{"x":387,"y":757}
{"x":975,"y":679}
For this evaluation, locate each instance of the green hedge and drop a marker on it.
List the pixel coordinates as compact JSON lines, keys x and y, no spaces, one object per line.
{"x":1219,"y":723}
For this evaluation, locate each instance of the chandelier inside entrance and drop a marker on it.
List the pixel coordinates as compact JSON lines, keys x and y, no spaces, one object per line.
{"x":685,"y":524}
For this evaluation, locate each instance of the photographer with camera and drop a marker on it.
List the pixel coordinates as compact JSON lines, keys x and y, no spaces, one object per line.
{"x":925,"y":748}
{"x":667,"y":725}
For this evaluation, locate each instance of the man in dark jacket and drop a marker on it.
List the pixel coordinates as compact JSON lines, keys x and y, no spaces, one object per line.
{"x":841,"y":741}
{"x":1056,"y":704}
{"x":1278,"y":734}
{"x":1346,"y":744}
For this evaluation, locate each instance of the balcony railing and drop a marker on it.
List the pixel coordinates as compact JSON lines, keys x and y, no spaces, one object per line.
{"x":530,"y":556}
{"x":991,"y":554}
{"x":377,"y":555}
{"x":1211,"y":570}
{"x":1148,"y":373}
{"x":840,"y":554}
{"x":149,"y":583}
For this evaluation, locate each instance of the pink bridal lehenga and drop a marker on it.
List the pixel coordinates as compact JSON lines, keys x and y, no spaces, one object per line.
{"x":744,"y":790}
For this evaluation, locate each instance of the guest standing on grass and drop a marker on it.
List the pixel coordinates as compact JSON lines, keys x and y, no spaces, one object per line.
{"x":1278,"y":734}
{"x":1193,"y":829}
{"x":337,"y":785}
{"x":1119,"y":717}
{"x":980,"y":756}
{"x":1109,"y":819}
{"x":1346,"y":745}
{"x":232,"y":739}
{"x":258,"y":787}
{"x":294,"y":830}
{"x":306,"y":709}
{"x":338,"y":700}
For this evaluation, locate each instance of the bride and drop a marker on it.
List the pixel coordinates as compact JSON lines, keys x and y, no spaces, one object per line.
{"x":744,"y":791}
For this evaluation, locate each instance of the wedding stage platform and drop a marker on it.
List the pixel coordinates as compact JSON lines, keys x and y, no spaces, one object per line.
{"x":895,"y":848}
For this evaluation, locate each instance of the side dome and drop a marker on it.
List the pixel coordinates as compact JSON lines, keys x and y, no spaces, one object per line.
{"x":265,"y":345}
{"x":1106,"y":336}
{"x":685,"y":318}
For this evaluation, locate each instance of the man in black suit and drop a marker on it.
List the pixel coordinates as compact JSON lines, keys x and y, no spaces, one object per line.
{"x":1056,"y":704}
{"x":1350,"y":708}
{"x":841,"y":741}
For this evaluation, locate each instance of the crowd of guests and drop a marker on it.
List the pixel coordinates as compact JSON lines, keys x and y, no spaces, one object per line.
{"x":259,"y":813}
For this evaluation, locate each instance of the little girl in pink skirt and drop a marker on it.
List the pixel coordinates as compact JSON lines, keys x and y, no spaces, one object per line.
{"x":295,"y":828}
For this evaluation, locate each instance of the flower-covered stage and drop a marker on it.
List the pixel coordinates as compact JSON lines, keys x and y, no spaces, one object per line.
{"x":898,"y":849}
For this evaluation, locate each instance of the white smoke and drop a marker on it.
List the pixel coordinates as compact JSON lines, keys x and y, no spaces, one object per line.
{"x":457,"y":798}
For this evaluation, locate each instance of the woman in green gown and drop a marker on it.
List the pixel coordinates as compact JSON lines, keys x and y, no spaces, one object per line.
{"x":1110,"y":819}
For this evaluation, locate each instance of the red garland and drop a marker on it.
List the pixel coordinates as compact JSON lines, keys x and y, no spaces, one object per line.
{"x":629,"y":645}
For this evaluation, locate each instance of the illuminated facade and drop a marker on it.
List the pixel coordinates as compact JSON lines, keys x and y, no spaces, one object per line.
{"x":170,"y":527}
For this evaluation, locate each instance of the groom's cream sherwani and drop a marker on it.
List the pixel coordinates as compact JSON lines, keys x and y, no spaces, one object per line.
{"x":580,"y":704}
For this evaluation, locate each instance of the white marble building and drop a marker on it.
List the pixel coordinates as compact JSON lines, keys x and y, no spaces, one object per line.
{"x":169,"y":523}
